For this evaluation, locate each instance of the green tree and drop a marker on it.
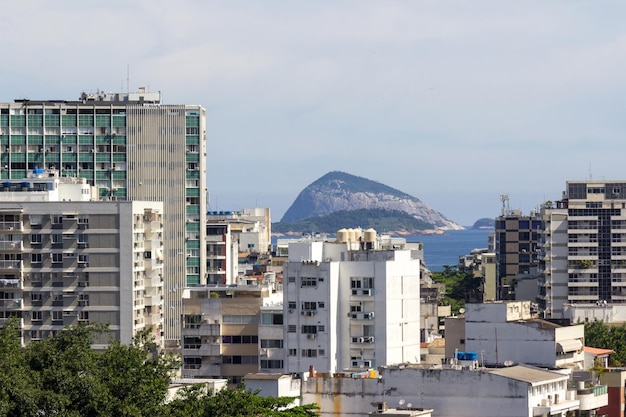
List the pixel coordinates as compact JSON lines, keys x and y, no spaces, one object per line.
{"x":460,"y":286}
{"x":194,"y":401}
{"x":601,"y":335}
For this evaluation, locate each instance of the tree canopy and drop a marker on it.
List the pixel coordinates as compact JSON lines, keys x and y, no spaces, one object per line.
{"x":63,"y":376}
{"x":604,"y":336}
{"x":460,"y":286}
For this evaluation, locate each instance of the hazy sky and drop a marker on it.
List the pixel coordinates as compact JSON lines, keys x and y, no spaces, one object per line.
{"x":454,"y":102}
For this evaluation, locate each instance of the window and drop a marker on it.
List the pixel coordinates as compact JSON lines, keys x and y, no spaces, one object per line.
{"x":82,"y":238}
{"x":271,"y":364}
{"x":57,"y":219}
{"x":240,"y":339}
{"x":293,"y":352}
{"x":83,"y":219}
{"x":35,"y":239}
{"x":291,"y":328}
{"x":308,"y":282}
{"x":192,"y":343}
{"x":35,"y":258}
{"x":272,"y":343}
{"x":36,"y":316}
{"x":35,"y":296}
{"x":321,"y":329}
{"x":271,"y":319}
{"x":291,"y":305}
{"x":192,"y":362}
{"x":320,"y":304}
{"x":57,"y":315}
{"x":291,"y":279}
{"x":309,"y":329}
{"x":309,"y":353}
{"x":240,"y":360}
{"x":240,"y":319}
{"x":56,"y":239}
{"x":321,"y":352}
{"x":192,"y":321}
{"x":309,"y":305}
{"x":57,"y":258}
{"x":83,"y":300}
{"x":83,"y":316}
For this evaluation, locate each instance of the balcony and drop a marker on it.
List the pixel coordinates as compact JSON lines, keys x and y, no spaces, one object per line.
{"x":10,"y":264}
{"x":363,"y":339}
{"x":10,"y":283}
{"x":361,"y":316}
{"x":10,"y":226}
{"x":14,"y":304}
{"x":593,"y":398}
{"x":11,"y":246}
{"x":362,"y":292}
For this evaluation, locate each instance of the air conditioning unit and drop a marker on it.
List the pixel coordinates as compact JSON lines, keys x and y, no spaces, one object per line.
{"x":370,"y":315}
{"x":367,"y":364}
{"x":369,"y":339}
{"x":290,"y":311}
{"x":311,"y":313}
{"x":361,"y":340}
{"x":311,"y":336}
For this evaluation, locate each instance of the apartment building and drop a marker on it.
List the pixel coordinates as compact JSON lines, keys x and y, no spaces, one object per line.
{"x":129,"y":146}
{"x":584,"y":248}
{"x":516,"y":239}
{"x":351,"y":303}
{"x":229,"y":331}
{"x":66,"y":259}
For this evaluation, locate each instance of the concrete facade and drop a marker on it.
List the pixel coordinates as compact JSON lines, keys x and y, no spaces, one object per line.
{"x":350,"y":304}
{"x":451,"y":392}
{"x":69,"y":262}
{"x":584,"y":247}
{"x":221,"y":330}
{"x":129,"y":146}
{"x":507,"y":332}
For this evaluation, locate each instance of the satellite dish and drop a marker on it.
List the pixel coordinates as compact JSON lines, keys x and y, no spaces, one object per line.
{"x":409,"y":405}
{"x":401,"y":402}
{"x":508,"y":363}
{"x":461,"y":310}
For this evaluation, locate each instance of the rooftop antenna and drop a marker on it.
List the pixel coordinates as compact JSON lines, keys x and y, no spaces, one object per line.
{"x":127,"y":78}
{"x":505,"y":203}
{"x":590,"y":176}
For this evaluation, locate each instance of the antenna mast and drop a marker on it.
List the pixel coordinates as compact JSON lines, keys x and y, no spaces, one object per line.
{"x":505,"y":204}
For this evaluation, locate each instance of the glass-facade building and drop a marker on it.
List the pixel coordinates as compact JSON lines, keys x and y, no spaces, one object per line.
{"x":130,"y":147}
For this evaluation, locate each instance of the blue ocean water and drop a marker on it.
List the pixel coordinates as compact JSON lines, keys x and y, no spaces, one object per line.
{"x":440,"y":250}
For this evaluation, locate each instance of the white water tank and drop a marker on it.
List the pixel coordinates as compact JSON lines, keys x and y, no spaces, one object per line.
{"x":350,"y":235}
{"x":342,"y":236}
{"x":370,"y":235}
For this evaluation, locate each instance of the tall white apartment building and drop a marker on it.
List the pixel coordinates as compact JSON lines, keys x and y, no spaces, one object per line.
{"x":130,"y":146}
{"x":584,"y":247}
{"x":351,"y":303}
{"x":67,"y":259}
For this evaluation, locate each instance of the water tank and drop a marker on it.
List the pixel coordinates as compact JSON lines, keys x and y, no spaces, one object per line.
{"x":350,"y":235}
{"x":370,"y":235}
{"x":358,"y":233}
{"x":342,"y":235}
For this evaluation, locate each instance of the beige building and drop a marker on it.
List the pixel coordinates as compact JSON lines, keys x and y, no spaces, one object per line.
{"x":221,"y":329}
{"x":68,"y":260}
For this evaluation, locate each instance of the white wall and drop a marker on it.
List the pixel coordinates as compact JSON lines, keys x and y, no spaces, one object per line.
{"x":448,"y":392}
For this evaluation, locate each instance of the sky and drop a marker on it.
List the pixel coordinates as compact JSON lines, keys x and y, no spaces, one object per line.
{"x":453,"y":102}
